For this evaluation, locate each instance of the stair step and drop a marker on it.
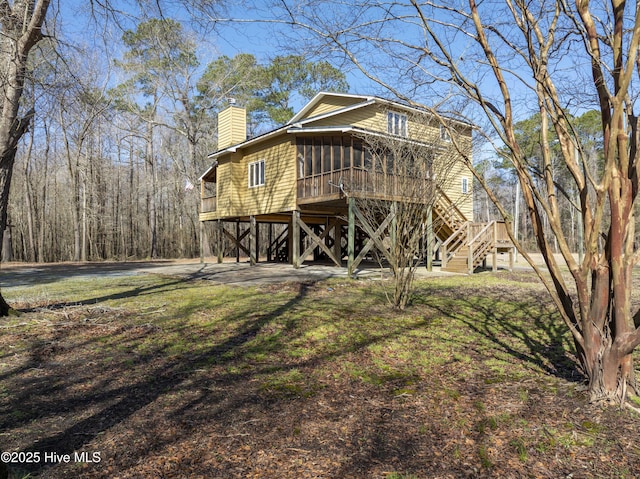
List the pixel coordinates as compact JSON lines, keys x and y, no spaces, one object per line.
{"x":453,"y":269}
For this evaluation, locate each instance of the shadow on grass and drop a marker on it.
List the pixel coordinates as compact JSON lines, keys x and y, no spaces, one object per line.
{"x":217,"y":383}
{"x":45,"y":273}
{"x":154,"y":288}
{"x":508,"y":321}
{"x":109,"y":405}
{"x":90,"y":399}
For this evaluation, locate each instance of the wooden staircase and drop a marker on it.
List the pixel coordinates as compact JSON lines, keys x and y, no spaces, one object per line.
{"x":448,"y":219}
{"x":465,"y":245}
{"x":468,"y":247}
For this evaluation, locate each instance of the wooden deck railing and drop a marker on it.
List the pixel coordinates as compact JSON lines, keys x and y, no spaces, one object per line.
{"x":502,"y":235}
{"x":359,"y":180}
{"x":447,"y":210}
{"x":481,"y":243}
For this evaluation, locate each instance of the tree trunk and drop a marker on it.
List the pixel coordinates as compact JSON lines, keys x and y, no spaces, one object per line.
{"x":83,"y":241}
{"x":30,"y":255}
{"x":151,"y":196}
{"x":21,"y":29}
{"x":611,"y":376}
{"x":6,"y":171}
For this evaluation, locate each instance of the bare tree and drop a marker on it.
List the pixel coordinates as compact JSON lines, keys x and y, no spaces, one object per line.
{"x":21,"y":24}
{"x":401,"y":180}
{"x":82,"y":103}
{"x":507,"y":60}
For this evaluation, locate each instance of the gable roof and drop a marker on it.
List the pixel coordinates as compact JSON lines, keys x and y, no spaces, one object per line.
{"x":351,"y":102}
{"x":300,"y":121}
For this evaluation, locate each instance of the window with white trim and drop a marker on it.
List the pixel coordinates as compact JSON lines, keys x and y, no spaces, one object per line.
{"x":256,"y":173}
{"x":397,"y":123}
{"x":465,"y":185}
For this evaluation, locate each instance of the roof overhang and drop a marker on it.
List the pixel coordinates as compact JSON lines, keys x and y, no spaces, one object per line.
{"x":365,"y":100}
{"x":209,"y":170}
{"x":363,"y":133}
{"x":320,"y":95}
{"x":249,"y":142}
{"x":300,"y":124}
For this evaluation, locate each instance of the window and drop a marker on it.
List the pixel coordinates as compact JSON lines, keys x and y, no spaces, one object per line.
{"x":397,"y":123}
{"x":444,"y":133}
{"x":256,"y":173}
{"x":465,"y":185}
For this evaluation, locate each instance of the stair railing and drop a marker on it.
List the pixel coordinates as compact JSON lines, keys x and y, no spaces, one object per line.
{"x":454,"y":243}
{"x":480,"y":245}
{"x":276,"y":244}
{"x":448,"y":210}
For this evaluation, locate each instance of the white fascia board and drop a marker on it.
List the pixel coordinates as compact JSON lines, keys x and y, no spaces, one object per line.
{"x":364,"y":132}
{"x":321,"y":129}
{"x":216,"y":154}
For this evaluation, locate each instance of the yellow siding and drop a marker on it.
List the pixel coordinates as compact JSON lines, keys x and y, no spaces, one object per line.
{"x":232,"y":127}
{"x":452,"y":170}
{"x":278,"y":194}
{"x":361,"y":117}
{"x":448,"y":166}
{"x":224,"y":187}
{"x":235,"y":198}
{"x":374,"y":118}
{"x":330,"y":104}
{"x":223,"y":192}
{"x":452,"y":186}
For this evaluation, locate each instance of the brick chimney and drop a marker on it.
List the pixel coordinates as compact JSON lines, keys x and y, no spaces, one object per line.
{"x":232,"y":126}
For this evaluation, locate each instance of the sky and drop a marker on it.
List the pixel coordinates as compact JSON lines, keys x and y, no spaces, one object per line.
{"x":260,"y":38}
{"x":264,"y":40}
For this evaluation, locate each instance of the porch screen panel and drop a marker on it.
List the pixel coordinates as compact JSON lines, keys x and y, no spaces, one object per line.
{"x":337,"y":153}
{"x":317,"y":156}
{"x":357,"y":155}
{"x":322,"y":155}
{"x":300,"y":158}
{"x":326,"y":155}
{"x":308,"y":158}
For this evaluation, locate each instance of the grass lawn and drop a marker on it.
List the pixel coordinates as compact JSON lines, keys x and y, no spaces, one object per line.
{"x":155,"y":377}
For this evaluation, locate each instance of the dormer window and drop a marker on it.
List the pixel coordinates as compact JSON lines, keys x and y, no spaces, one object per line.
{"x":397,"y":123}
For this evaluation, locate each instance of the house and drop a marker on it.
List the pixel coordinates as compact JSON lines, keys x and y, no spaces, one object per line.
{"x":307,"y":174}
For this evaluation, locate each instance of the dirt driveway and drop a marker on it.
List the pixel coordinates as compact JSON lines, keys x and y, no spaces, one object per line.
{"x":25,"y":274}
{"x":229,"y":272}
